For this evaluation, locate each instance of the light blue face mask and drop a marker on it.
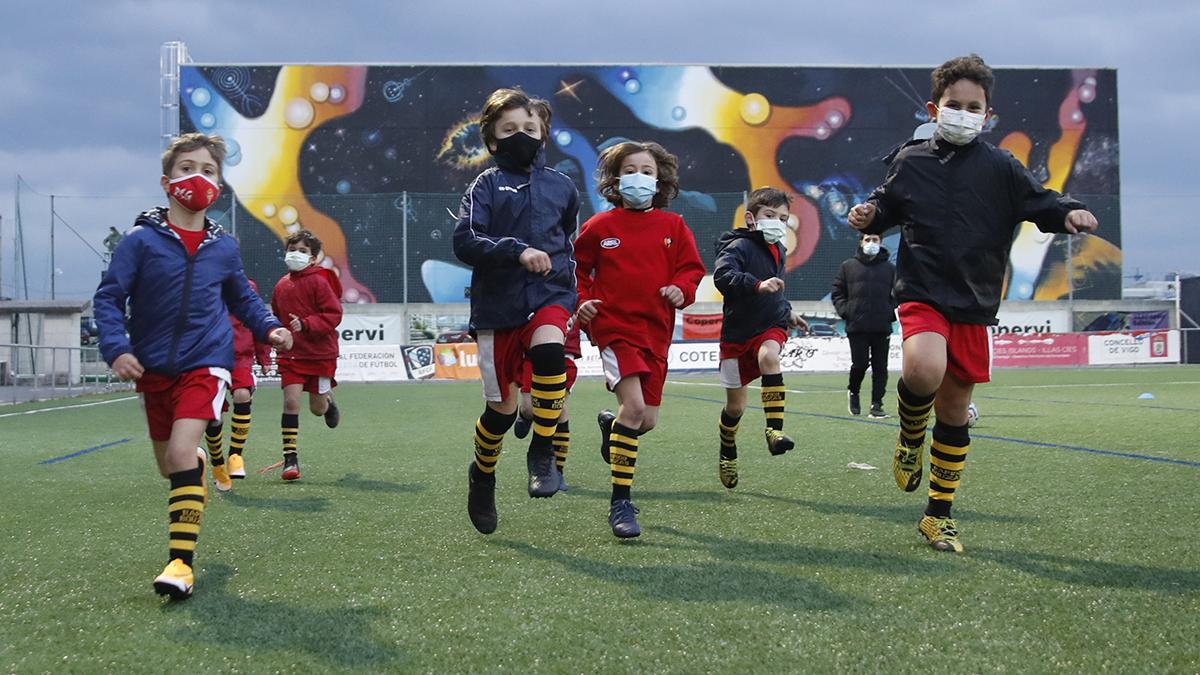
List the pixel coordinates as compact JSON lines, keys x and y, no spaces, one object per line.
{"x":638,"y":189}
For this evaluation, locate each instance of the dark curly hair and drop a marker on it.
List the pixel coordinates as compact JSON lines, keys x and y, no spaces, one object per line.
{"x":307,"y":238}
{"x":608,"y":171}
{"x":970,"y":67}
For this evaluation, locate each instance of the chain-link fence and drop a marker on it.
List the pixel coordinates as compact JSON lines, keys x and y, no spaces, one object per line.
{"x":39,"y":372}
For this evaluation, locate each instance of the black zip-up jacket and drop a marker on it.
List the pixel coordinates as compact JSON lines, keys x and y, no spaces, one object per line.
{"x":744,"y":259}
{"x":862,"y":292}
{"x":957,"y":207}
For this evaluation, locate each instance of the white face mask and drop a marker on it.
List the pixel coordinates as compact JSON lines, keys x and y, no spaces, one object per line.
{"x":871,"y":248}
{"x":959,"y":126}
{"x":773,"y":230}
{"x":296,"y":260}
{"x":637,"y":189}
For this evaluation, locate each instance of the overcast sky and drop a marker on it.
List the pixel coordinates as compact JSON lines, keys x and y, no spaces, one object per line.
{"x":79,"y":84}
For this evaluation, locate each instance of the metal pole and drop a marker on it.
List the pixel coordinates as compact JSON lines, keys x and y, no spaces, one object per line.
{"x":1071,"y":274}
{"x":404,"y":240}
{"x":53,"y":269}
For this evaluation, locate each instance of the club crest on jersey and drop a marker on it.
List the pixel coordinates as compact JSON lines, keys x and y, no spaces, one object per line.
{"x":611,"y":242}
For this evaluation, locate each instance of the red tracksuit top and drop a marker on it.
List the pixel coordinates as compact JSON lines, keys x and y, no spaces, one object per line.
{"x":247,"y":350}
{"x":311,"y":294}
{"x":623,"y":259}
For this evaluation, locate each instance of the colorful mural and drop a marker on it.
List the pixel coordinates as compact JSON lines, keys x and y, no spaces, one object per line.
{"x":361,"y":154}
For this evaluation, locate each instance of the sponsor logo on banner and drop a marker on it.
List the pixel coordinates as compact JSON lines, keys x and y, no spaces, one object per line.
{"x":457,"y":361}
{"x":1032,"y":322}
{"x":1124,"y":348}
{"x":1045,"y":349}
{"x":370,"y":329}
{"x":419,"y":361}
{"x":364,"y":363}
{"x":702,"y":326}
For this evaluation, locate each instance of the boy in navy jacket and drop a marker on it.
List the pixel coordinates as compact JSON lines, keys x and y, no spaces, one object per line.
{"x":180,"y":276}
{"x":514,"y":230}
{"x":749,"y":273}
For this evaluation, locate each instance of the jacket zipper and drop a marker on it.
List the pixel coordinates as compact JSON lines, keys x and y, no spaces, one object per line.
{"x":181,"y":323}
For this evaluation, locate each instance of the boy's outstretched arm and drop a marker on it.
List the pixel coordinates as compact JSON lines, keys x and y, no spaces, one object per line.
{"x":473,"y":244}
{"x":1046,"y":208}
{"x":874,"y":216}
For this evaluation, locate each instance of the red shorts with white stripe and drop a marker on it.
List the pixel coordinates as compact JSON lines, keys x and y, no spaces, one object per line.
{"x":968,"y":345}
{"x":316,"y":376}
{"x":739,"y":360}
{"x":196,"y":395}
{"x":621,"y":360}
{"x":502,"y":352}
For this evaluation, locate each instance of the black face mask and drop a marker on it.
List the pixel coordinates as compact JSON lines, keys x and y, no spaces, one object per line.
{"x":517,"y":151}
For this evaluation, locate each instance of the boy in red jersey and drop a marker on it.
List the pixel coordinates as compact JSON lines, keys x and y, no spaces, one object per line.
{"x":307,"y":299}
{"x":637,"y":264}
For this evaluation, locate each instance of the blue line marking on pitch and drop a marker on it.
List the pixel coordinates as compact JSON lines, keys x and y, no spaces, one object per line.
{"x":1040,"y":444}
{"x":85,"y":451}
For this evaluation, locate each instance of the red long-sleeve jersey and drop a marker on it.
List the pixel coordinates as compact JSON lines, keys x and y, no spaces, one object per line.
{"x":623,"y":258}
{"x":311,"y":294}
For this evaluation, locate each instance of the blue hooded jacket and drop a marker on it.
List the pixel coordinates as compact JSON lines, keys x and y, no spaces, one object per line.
{"x":503,"y":213}
{"x":177,"y":303}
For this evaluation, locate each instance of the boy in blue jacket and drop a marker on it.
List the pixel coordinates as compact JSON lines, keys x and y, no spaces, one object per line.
{"x":515,"y":229}
{"x":749,"y":273}
{"x":180,"y":276}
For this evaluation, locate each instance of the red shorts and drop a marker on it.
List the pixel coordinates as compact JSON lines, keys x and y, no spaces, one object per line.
{"x":621,"y":360}
{"x":502,"y":352}
{"x":194,"y":395}
{"x":968,"y":345}
{"x":316,"y":376}
{"x":243,"y":376}
{"x":739,"y":360}
{"x":527,"y":374}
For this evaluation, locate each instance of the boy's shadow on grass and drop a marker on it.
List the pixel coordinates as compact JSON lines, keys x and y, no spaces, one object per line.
{"x":699,"y":582}
{"x":1097,"y":573}
{"x":655,"y":495}
{"x":338,"y":636}
{"x":289,"y":504}
{"x":355,"y":481}
{"x":891,"y":514}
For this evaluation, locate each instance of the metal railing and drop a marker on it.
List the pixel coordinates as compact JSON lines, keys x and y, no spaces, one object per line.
{"x":42,"y":372}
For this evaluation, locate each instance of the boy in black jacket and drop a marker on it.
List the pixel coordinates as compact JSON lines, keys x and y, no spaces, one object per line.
{"x":957,"y":201}
{"x":862,"y":296}
{"x":749,"y":273}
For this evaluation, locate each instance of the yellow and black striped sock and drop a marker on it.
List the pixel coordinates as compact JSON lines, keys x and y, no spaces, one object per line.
{"x":562,"y":445}
{"x":239,"y":428}
{"x":212,"y":438}
{"x":773,"y":400}
{"x":947,"y":459}
{"x":728,"y":428}
{"x":290,"y":428}
{"x":548,"y":393}
{"x":622,"y":451}
{"x":185,"y":510}
{"x":914,"y":414}
{"x":489,"y":438}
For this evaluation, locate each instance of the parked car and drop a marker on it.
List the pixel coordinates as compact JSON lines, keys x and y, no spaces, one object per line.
{"x":460,"y":335}
{"x":821,"y":329}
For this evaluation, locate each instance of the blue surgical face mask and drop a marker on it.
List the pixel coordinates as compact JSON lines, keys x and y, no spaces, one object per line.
{"x":638,"y":189}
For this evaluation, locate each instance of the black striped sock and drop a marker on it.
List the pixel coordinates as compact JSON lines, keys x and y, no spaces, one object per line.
{"x":562,"y":445}
{"x":622,"y":451}
{"x":947,"y":459}
{"x":548,"y":392}
{"x":185,"y":510}
{"x":914,"y":414}
{"x":489,"y":438}
{"x":773,"y":400}
{"x":239,"y":427}
{"x":290,"y":428}
{"x":728,"y":429}
{"x":212,"y":438}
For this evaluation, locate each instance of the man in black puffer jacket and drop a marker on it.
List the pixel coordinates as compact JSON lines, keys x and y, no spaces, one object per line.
{"x":862,"y":296}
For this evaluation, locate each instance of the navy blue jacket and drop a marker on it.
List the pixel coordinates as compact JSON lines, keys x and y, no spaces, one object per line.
{"x":503,"y":213}
{"x":178,"y":319}
{"x":744,"y":259}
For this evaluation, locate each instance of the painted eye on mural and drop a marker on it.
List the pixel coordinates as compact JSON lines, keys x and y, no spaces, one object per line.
{"x":462,"y":148}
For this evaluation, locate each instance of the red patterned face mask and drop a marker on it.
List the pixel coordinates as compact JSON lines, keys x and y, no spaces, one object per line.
{"x":195,"y":192}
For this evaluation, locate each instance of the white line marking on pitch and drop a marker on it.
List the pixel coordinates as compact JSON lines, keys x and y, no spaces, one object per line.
{"x":69,"y":407}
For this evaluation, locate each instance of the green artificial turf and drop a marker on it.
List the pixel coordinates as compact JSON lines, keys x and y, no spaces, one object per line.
{"x":1081,"y":549}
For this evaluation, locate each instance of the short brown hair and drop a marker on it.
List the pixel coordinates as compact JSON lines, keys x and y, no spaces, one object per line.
{"x":970,"y":67}
{"x":190,"y":142}
{"x":767,"y":196}
{"x":503,"y":100}
{"x":305,"y":237}
{"x":608,"y":171}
